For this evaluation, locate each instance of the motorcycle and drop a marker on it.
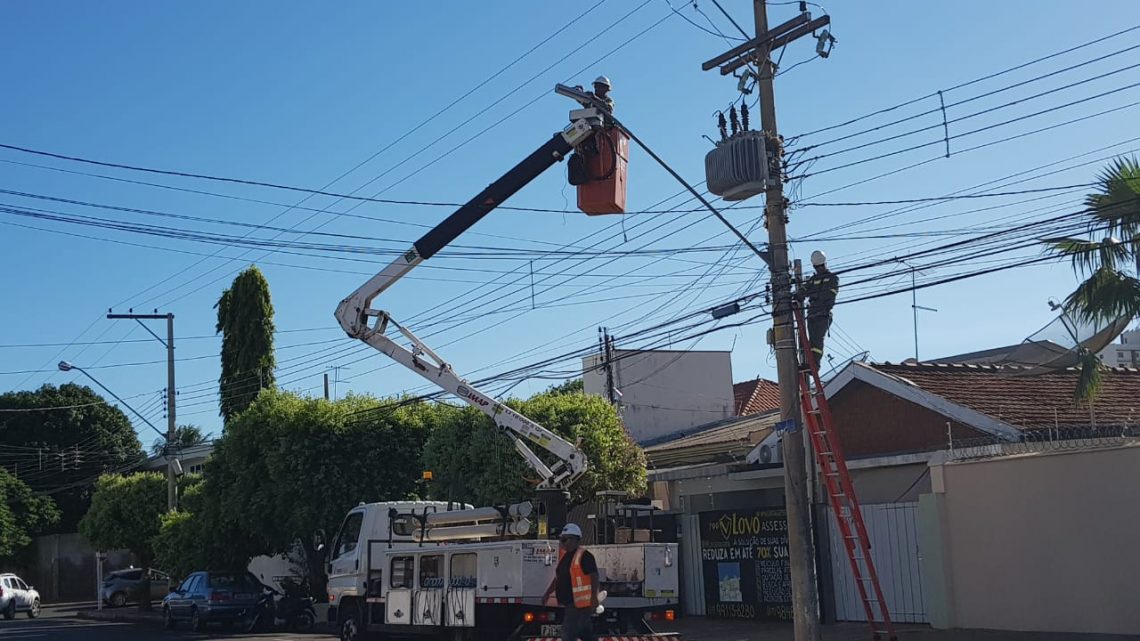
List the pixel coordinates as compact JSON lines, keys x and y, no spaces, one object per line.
{"x":289,"y":610}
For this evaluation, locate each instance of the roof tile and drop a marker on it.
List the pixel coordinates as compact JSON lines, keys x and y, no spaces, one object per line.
{"x":755,"y":396}
{"x":1023,"y":399}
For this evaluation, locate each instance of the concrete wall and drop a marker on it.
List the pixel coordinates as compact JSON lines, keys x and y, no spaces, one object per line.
{"x":666,"y":391}
{"x":63,"y":568}
{"x":1036,"y":542}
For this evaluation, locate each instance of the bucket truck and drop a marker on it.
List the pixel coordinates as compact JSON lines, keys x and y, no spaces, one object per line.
{"x":427,"y":569}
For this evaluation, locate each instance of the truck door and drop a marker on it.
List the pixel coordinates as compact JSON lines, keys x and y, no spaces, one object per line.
{"x":428,"y":599}
{"x":344,"y":562}
{"x":462,"y":583}
{"x":401,"y":577}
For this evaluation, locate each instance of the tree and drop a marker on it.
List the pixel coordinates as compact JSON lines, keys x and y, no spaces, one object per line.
{"x":1111,"y":288}
{"x":23,"y":514}
{"x":126,"y":513}
{"x":573,"y":386}
{"x":245,"y":320}
{"x":67,"y":436}
{"x":289,"y":468}
{"x":474,"y":462}
{"x":184,"y":436}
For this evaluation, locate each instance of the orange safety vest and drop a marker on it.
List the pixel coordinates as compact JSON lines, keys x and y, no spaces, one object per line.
{"x":579,"y":580}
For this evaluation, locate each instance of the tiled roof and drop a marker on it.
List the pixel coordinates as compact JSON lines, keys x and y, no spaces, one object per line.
{"x":753,"y":397}
{"x":727,"y":440}
{"x":1026,"y":400}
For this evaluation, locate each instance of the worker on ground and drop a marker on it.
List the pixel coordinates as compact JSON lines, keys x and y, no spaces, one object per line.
{"x":820,"y":291}
{"x":575,"y":585}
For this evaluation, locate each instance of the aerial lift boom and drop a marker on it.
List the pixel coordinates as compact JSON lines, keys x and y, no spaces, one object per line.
{"x":355,"y":313}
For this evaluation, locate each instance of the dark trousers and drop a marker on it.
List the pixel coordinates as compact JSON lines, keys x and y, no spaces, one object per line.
{"x":577,"y":623}
{"x":817,"y":327}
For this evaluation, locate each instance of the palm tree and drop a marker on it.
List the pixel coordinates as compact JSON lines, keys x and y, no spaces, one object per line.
{"x":184,"y":436}
{"x":1110,"y":266}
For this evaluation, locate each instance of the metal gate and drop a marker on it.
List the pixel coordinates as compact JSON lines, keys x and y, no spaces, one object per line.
{"x":892,"y":529}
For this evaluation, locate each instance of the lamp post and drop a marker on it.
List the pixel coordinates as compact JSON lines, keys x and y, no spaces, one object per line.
{"x":173,"y":467}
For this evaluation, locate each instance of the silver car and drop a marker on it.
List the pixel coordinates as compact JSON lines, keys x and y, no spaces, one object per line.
{"x":125,"y":586}
{"x":17,"y":596}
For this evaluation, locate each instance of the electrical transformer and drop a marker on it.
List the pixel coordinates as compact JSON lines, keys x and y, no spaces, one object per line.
{"x":738,"y":167}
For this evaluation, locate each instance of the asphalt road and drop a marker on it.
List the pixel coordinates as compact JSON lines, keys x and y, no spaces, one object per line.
{"x":61,"y":625}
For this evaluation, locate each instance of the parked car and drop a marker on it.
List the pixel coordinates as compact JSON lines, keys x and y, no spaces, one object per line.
{"x":207,"y":597}
{"x":123,"y":586}
{"x":17,"y":596}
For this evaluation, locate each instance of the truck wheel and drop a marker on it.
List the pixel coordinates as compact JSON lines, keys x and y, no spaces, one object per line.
{"x":352,"y":622}
{"x":10,"y":611}
{"x":196,"y":622}
{"x":167,"y":619}
{"x":35,"y":611}
{"x":119,"y":599}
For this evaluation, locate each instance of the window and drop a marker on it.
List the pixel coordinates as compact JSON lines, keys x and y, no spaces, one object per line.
{"x":403,"y":570}
{"x":349,"y":535}
{"x":237,"y":581}
{"x":20,"y":583}
{"x":7,"y":582}
{"x":464,"y":570}
{"x":431,"y":571}
{"x":188,"y":583}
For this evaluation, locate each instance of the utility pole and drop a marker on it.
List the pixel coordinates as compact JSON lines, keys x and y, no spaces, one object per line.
{"x":326,"y":386}
{"x":805,"y":597}
{"x":171,"y":421}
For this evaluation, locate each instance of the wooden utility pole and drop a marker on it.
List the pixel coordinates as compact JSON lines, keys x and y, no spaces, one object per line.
{"x":805,"y":596}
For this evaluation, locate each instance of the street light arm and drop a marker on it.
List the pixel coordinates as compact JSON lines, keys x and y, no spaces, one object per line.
{"x":64,"y":366}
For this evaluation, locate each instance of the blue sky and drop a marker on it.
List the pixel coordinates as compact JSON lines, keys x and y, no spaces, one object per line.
{"x":300,"y":93}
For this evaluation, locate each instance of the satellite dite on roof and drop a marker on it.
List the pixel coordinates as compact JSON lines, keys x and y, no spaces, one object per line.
{"x":1058,"y":345}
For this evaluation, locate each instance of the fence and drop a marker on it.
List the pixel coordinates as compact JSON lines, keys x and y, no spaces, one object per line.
{"x":1043,"y":440}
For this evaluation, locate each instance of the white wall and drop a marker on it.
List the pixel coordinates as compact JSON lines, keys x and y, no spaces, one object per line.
{"x":1126,"y":353}
{"x":665,"y":391}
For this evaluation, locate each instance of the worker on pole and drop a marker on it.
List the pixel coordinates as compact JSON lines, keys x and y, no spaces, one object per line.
{"x":575,"y":584}
{"x":602,"y":88}
{"x":819,"y":291}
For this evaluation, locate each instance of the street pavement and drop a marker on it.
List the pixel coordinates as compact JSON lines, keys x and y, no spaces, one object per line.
{"x":59,"y":623}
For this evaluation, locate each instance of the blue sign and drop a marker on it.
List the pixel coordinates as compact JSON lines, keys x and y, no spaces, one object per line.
{"x":788,"y":426}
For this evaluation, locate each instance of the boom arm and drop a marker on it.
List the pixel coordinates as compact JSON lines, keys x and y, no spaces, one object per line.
{"x":354,"y":312}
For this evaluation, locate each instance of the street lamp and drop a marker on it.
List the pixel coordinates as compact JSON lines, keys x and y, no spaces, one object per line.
{"x":174,"y":465}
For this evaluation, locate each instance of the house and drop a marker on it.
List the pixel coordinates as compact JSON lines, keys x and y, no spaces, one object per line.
{"x":903,"y":429}
{"x":755,"y":396}
{"x":192,"y":458}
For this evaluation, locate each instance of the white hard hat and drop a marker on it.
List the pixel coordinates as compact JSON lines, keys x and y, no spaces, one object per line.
{"x":818,"y":258}
{"x":571,"y":529}
{"x":602,"y":80}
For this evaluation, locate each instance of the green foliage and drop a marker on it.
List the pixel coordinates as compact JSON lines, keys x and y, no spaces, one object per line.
{"x":125,"y":513}
{"x":88,"y":424}
{"x":184,"y":436}
{"x":23,"y":514}
{"x":289,"y":468}
{"x":245,"y":320}
{"x":474,"y":462}
{"x":1109,"y":291}
{"x":574,"y":386}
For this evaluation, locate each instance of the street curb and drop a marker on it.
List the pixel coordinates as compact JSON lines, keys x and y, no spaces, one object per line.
{"x":119,"y":616}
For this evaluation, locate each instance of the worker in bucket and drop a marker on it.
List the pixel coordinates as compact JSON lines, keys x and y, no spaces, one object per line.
{"x":575,"y":585}
{"x":820,"y":291}
{"x":602,"y":90}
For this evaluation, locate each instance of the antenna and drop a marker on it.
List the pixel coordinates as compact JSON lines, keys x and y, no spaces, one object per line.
{"x":914,"y":305}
